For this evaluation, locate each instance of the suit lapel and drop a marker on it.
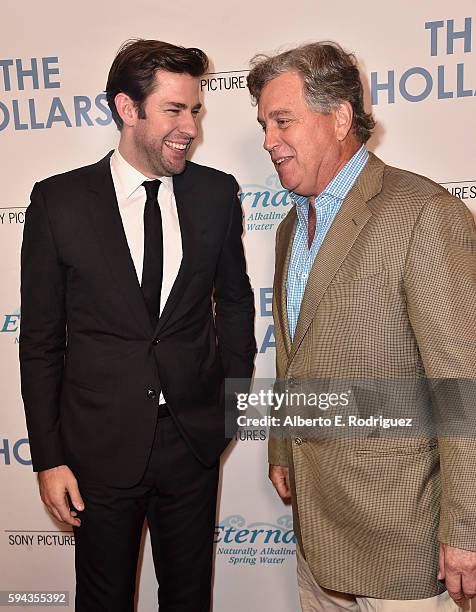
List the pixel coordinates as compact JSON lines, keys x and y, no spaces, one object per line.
{"x":351,"y":218}
{"x":107,"y":223}
{"x":283,"y":256}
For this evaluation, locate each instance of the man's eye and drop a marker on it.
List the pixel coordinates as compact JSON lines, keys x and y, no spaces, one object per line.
{"x":282,"y":122}
{"x":195,"y":113}
{"x":174,"y":111}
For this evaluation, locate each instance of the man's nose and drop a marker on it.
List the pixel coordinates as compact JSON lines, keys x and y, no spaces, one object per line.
{"x":270,"y":139}
{"x":188,"y":125}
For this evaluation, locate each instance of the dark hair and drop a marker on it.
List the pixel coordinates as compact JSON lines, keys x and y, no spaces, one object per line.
{"x":134,"y":67}
{"x":330,"y":76}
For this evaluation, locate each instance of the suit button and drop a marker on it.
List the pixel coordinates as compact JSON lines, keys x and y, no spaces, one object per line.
{"x":155,"y":341}
{"x":298,"y":441}
{"x":151,"y":393}
{"x":292,"y":382}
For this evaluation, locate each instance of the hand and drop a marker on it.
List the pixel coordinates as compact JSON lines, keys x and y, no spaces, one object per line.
{"x":458,"y":570}
{"x":279,"y":476}
{"x":55,"y":483}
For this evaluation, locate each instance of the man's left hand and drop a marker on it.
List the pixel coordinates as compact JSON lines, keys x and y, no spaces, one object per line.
{"x":458,"y":570}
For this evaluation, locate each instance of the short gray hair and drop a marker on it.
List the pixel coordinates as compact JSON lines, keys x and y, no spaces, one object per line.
{"x":330,"y":76}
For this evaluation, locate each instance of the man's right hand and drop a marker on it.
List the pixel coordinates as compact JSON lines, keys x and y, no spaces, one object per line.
{"x":55,"y":483}
{"x":279,"y":476}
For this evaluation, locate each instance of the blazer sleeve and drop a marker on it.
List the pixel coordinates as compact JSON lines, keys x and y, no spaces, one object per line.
{"x":234,"y":301}
{"x":42,"y":334}
{"x":277,"y":446}
{"x":440,"y":288}
{"x":277,"y":449}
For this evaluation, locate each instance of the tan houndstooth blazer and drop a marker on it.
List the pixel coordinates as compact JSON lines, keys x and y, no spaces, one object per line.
{"x":392,"y":294}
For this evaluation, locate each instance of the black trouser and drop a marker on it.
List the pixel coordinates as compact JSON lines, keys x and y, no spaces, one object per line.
{"x":177,"y":495}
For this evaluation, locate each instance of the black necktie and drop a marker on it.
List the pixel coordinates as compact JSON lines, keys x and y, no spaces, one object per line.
{"x":152,"y":269}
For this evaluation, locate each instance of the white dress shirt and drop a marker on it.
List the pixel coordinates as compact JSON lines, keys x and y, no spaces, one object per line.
{"x":131,"y":199}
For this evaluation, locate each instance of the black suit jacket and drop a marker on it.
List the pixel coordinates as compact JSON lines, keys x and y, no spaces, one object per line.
{"x":92,"y":366}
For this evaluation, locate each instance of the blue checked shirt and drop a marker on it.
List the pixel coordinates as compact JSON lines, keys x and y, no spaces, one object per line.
{"x":327,"y":204}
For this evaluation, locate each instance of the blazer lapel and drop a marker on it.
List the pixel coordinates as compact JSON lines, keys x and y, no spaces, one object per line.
{"x":347,"y":225}
{"x":283,"y":256}
{"x":107,"y":223}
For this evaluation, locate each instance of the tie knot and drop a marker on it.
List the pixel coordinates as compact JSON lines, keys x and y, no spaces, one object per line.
{"x":151,"y":188}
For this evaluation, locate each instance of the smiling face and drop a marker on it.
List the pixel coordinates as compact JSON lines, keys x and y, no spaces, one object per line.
{"x":157,"y":144}
{"x":305,"y":146}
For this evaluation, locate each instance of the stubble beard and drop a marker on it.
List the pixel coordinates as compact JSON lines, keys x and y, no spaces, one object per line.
{"x":156,"y":162}
{"x":160,"y":165}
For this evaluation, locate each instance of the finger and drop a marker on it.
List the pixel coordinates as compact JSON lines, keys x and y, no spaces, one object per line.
{"x":286,"y":486}
{"x":75,"y":496}
{"x":63,"y":510}
{"x":71,"y":520}
{"x":441,"y":563}
{"x":281,"y":491}
{"x":454,"y":586}
{"x":281,"y":487}
{"x":468,"y":582}
{"x":52,"y":511}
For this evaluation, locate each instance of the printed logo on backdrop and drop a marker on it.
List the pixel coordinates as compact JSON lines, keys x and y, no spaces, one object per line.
{"x":10,"y":326}
{"x":12,"y":216}
{"x":264,"y":206}
{"x":15,"y":452}
{"x":450,"y":79}
{"x":29,"y":98}
{"x":464,"y":190}
{"x":255,"y":544}
{"x":229,"y":81}
{"x":265,"y":310}
{"x":29,"y":539}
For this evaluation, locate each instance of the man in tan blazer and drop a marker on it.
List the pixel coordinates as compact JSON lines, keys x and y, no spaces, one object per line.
{"x":375,"y":280}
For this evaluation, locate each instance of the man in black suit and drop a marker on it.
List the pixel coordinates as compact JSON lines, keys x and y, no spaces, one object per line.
{"x":135,"y":307}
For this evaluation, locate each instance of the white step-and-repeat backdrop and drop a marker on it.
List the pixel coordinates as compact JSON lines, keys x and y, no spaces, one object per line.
{"x":418,"y":62}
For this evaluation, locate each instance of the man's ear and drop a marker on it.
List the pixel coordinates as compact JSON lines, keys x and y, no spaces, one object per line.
{"x":126,"y":108}
{"x":343,"y":120}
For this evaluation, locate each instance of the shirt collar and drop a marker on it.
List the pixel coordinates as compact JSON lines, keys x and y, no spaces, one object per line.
{"x":343,"y":181}
{"x":129,"y":178}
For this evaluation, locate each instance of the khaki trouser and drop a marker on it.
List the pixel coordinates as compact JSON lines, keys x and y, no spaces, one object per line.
{"x":315,"y":599}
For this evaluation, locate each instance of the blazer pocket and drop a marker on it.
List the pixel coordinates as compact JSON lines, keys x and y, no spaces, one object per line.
{"x":378,"y":277}
{"x":80,"y":385}
{"x":394,"y":449}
